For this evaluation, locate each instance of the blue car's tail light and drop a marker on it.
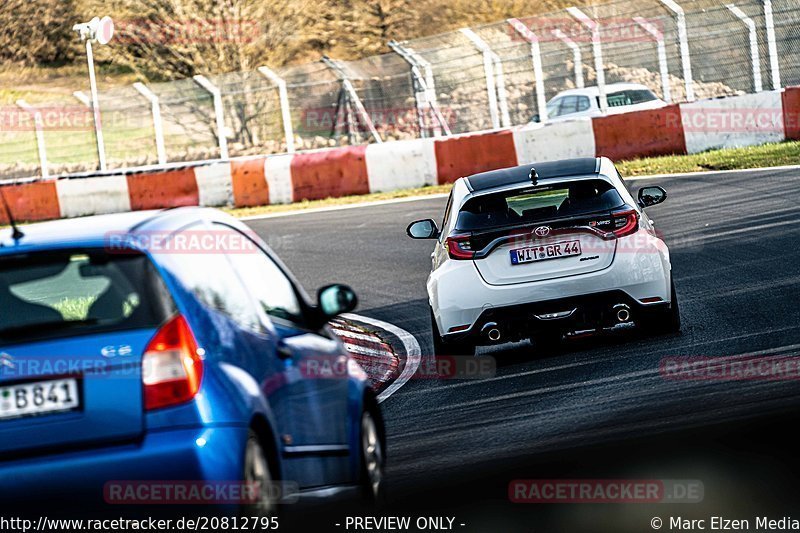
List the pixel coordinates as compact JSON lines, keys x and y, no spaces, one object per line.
{"x":172,"y":366}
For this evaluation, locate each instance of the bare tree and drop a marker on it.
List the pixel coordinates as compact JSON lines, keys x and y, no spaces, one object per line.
{"x":169,"y":39}
{"x":36,"y":32}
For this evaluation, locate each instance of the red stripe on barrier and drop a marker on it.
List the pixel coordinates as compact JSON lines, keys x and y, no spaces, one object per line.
{"x":469,"y":154}
{"x":645,"y":133}
{"x":330,"y":173}
{"x":791,"y":112}
{"x":31,"y":202}
{"x":250,"y":185}
{"x":173,"y":188}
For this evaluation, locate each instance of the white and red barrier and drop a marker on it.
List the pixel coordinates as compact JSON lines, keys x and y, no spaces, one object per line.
{"x":746,"y":120}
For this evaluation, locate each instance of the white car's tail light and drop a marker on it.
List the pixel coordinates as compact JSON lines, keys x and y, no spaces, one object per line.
{"x":459,"y":247}
{"x":625,"y":222}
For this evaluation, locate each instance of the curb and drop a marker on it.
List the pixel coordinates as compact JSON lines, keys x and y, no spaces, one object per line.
{"x":376,"y":356}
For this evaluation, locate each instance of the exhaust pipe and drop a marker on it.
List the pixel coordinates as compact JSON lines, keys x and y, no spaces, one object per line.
{"x":622,"y":313}
{"x":491,"y":331}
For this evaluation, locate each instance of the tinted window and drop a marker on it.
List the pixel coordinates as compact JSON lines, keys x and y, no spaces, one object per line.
{"x":552,"y":107}
{"x":583,"y":103}
{"x":210,"y":275}
{"x":538,"y":204}
{"x":628,"y":97}
{"x":78,"y":292}
{"x":569,"y":104}
{"x":268,"y":284}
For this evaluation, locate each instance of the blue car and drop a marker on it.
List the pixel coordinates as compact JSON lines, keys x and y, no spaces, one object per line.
{"x":172,"y":347}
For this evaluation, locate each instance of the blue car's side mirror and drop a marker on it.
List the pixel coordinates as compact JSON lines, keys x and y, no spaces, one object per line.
{"x":336,"y":299}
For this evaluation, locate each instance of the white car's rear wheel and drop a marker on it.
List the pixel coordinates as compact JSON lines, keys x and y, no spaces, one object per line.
{"x":666,"y":320}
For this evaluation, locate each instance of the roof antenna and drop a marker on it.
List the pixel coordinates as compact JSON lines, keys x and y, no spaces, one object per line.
{"x":534,"y":176}
{"x":16,"y":234}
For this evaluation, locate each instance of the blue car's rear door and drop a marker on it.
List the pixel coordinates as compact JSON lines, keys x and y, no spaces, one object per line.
{"x":314,"y":399}
{"x":314,"y":365}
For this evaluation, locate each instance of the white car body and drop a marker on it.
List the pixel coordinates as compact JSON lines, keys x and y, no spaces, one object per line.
{"x":581,"y":103}
{"x":635,"y":268}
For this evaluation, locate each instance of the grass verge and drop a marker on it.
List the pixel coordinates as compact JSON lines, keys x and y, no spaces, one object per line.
{"x":766,"y":155}
{"x":331,"y":202}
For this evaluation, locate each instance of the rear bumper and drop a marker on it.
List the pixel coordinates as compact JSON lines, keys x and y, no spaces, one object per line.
{"x":197,"y":454}
{"x":592,"y":311}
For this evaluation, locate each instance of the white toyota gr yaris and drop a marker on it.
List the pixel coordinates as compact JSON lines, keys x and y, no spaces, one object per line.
{"x":540,"y":251}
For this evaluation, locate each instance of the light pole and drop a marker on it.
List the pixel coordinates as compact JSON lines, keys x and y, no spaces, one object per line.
{"x":100,"y":30}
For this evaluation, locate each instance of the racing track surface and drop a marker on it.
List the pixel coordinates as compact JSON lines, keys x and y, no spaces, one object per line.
{"x":598,"y":408}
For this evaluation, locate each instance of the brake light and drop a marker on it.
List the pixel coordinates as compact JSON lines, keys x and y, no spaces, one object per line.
{"x":458,"y":246}
{"x":625,"y":222}
{"x":171,"y":366}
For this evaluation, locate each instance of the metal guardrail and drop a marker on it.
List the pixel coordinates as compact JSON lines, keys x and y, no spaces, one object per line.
{"x":484,"y":77}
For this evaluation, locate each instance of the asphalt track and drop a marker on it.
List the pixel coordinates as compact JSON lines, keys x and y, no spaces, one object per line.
{"x":598,"y":407}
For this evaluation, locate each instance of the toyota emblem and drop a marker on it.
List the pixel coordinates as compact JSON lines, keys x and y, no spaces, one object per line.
{"x":542,"y":231}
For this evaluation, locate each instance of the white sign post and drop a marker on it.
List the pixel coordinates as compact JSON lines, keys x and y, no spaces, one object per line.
{"x":100,"y":30}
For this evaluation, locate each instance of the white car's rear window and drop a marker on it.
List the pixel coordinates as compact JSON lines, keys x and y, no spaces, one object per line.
{"x":538,"y":204}
{"x":629,"y":97}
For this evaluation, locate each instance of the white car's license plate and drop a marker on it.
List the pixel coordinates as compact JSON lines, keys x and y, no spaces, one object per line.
{"x":38,"y":397}
{"x":545,"y":251}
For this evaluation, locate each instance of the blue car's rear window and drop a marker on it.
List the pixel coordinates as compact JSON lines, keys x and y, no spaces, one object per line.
{"x":45,"y":295}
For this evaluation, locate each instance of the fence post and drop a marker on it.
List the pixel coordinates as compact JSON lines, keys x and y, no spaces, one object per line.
{"x":219,"y":113}
{"x":353,"y":95}
{"x":38,"y":125}
{"x":536,"y":57}
{"x":425,"y":65}
{"x":577,"y":59}
{"x":419,"y":86}
{"x":286,"y":114}
{"x":430,"y":93}
{"x":425,"y":95}
{"x":771,"y":46}
{"x":158,"y":126}
{"x":662,"y":55}
{"x":492,"y":64}
{"x":751,"y":31}
{"x":597,"y":52}
{"x":683,"y":38}
{"x":82,"y":98}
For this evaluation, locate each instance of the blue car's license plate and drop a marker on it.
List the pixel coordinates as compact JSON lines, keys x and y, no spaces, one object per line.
{"x":38,"y":397}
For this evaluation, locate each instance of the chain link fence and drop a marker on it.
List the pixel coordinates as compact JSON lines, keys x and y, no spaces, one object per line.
{"x":468,"y":80}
